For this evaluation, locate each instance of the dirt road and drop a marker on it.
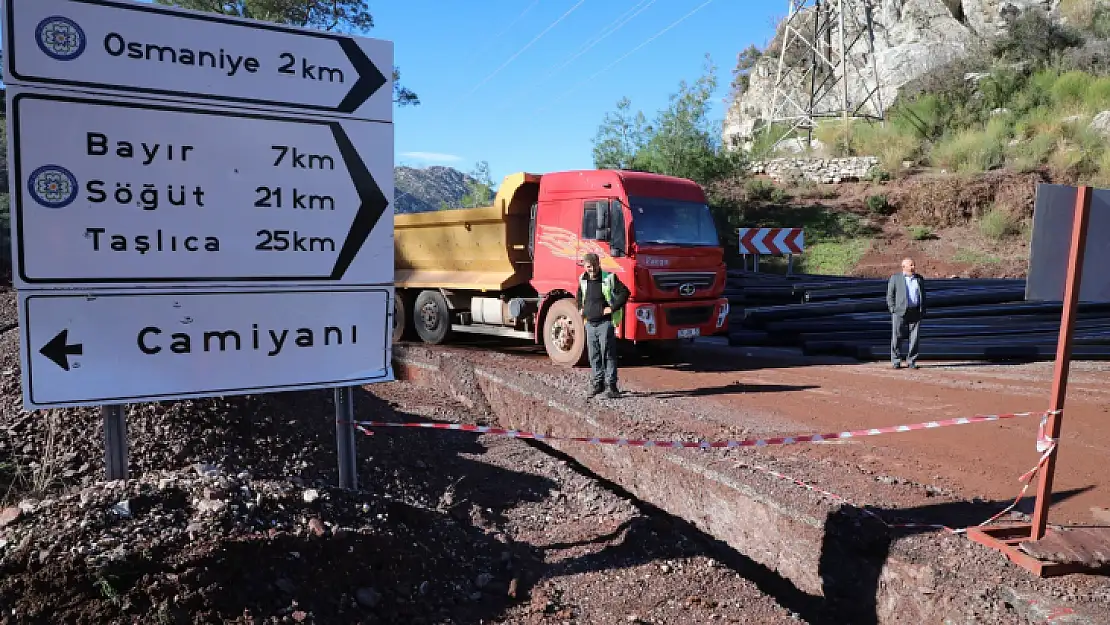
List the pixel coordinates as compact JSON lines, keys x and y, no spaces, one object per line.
{"x":760,"y":396}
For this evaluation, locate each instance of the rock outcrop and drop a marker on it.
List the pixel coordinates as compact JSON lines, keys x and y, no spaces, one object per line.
{"x":912,"y":37}
{"x":417,"y":190}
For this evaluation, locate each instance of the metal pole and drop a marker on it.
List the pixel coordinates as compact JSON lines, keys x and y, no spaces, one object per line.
{"x":1063,"y":354}
{"x":790,"y":264}
{"x":345,"y":437}
{"x":115,"y":442}
{"x":844,"y":76}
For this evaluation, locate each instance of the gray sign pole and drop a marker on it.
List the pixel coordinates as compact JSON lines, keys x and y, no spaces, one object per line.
{"x":115,"y":442}
{"x":345,"y":437}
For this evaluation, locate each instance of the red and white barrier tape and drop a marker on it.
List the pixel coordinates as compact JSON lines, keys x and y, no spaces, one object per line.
{"x":1044,"y":445}
{"x":366,"y":426}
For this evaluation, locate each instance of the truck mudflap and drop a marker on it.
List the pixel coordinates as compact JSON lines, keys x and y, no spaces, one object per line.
{"x":675,"y":320}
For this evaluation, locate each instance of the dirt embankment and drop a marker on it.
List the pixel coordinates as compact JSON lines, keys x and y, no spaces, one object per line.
{"x":975,"y":225}
{"x":231,"y":518}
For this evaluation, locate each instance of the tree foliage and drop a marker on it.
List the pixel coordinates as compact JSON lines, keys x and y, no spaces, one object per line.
{"x":332,"y":15}
{"x":479,"y":189}
{"x":622,"y":135}
{"x":741,"y":75}
{"x":683,"y":140}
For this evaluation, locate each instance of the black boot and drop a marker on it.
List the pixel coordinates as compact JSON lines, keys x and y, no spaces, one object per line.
{"x":614,"y":392}
{"x":595,"y":390}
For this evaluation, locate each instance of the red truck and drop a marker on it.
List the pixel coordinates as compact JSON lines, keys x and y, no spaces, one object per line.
{"x":512,"y":269}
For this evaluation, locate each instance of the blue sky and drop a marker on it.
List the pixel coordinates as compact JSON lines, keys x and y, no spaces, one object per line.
{"x":524,"y":84}
{"x":491,"y":90}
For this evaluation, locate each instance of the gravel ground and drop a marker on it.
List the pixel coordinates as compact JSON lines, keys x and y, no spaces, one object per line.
{"x":230,"y":518}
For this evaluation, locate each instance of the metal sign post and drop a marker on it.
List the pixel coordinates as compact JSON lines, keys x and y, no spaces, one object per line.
{"x":1007,"y":538}
{"x":345,"y":437}
{"x":115,"y":442}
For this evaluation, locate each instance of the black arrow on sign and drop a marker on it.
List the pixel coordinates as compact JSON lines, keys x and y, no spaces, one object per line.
{"x":59,"y":350}
{"x":370,"y":78}
{"x":372,"y":202}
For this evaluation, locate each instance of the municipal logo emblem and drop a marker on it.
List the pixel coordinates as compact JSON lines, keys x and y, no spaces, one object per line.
{"x":52,"y":186}
{"x":60,"y":38}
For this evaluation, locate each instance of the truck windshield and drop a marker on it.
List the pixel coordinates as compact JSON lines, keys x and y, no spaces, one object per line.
{"x":672,"y":222}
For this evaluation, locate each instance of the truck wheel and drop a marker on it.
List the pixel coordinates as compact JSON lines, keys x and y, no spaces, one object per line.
{"x":564,"y":336}
{"x":431,"y":317}
{"x":402,"y":322}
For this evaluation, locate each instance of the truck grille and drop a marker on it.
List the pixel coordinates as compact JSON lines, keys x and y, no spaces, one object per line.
{"x":672,"y":280}
{"x":688,"y":315}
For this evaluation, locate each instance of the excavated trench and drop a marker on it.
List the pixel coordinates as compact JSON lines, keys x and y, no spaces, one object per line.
{"x":819,"y":556}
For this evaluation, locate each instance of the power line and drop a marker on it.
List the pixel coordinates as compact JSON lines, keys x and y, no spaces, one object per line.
{"x":528,"y":45}
{"x":611,"y":28}
{"x":608,"y":30}
{"x":626,"y":55}
{"x":503,"y":31}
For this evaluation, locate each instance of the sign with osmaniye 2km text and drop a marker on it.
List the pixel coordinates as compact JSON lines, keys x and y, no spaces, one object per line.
{"x":121,"y":347}
{"x":157,"y":51}
{"x":108,"y":191}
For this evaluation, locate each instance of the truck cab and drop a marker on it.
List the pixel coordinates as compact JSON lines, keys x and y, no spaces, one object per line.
{"x":512,"y":268}
{"x":656,"y":233}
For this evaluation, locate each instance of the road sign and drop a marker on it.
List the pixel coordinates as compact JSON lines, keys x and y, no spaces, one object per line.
{"x":157,"y":51}
{"x":114,"y":192}
{"x":771,"y":240}
{"x":120,"y":347}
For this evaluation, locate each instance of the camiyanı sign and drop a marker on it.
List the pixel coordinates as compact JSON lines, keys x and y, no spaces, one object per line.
{"x":120,"y":347}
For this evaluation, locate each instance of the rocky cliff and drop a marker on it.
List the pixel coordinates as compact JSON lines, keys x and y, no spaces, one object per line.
{"x":426,"y":189}
{"x":912,"y":37}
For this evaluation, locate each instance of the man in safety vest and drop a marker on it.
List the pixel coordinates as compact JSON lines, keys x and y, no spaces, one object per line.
{"x":601,"y":298}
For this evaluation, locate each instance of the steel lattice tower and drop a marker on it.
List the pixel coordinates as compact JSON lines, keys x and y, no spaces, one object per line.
{"x":825,"y":50}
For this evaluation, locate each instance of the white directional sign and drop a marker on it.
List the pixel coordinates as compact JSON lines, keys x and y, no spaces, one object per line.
{"x":156,"y":51}
{"x":114,"y":192}
{"x":121,"y":347}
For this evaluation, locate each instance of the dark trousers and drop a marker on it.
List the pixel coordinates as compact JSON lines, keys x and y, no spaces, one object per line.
{"x":911,"y":321}
{"x":601,"y":341}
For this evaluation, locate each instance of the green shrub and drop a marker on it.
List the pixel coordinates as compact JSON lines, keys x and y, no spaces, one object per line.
{"x":972,"y":150}
{"x":759,"y":190}
{"x":878,"y":205}
{"x":997,"y":225}
{"x":921,"y":233}
{"x":1034,"y":37}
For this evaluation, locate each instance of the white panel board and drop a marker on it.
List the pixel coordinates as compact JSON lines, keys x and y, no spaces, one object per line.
{"x":112,"y":192}
{"x":157,"y":51}
{"x":124,"y":347}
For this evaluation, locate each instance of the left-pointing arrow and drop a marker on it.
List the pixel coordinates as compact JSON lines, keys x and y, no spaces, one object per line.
{"x":59,"y":350}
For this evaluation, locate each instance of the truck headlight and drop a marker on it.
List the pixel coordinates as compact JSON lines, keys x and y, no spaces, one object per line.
{"x":723,"y":315}
{"x":646,"y":315}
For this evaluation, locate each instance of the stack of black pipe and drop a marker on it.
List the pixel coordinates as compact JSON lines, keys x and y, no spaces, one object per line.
{"x":968,"y":319}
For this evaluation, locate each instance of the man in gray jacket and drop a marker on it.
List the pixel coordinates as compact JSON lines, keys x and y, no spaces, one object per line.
{"x":905,"y":298}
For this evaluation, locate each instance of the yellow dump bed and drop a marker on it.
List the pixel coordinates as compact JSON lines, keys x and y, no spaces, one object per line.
{"x":482,"y":248}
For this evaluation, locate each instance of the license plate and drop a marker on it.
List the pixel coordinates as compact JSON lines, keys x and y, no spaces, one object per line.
{"x":688,"y":333}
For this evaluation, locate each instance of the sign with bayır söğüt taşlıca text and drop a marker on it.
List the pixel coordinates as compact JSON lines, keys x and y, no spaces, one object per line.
{"x":150,"y":50}
{"x":127,"y":192}
{"x":116,"y":347}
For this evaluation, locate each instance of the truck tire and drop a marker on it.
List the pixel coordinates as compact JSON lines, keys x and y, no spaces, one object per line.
{"x":431,"y":317}
{"x":564,"y":336}
{"x":402,"y":321}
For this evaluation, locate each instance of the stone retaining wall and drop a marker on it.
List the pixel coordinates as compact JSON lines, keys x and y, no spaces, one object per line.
{"x":819,"y":170}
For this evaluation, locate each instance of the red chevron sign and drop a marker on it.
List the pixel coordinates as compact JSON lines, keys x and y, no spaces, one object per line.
{"x":771,"y":240}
